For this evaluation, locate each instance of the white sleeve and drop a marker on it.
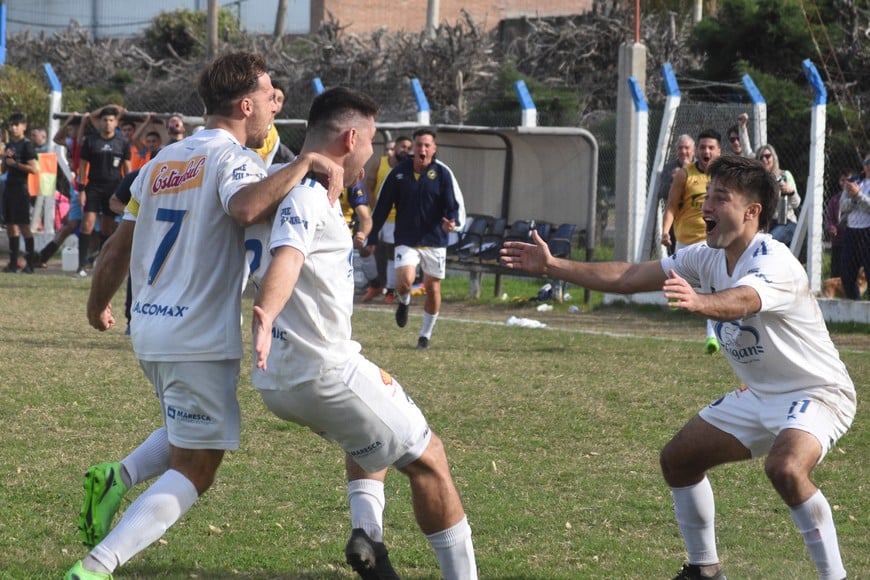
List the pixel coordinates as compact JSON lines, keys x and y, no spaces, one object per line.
{"x":297,"y":219}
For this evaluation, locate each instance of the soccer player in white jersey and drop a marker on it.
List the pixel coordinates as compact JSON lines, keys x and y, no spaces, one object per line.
{"x":797,"y":398}
{"x":309,"y":371}
{"x":186,"y":259}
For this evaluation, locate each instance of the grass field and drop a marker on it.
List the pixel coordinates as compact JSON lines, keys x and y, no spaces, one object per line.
{"x":553,"y":437}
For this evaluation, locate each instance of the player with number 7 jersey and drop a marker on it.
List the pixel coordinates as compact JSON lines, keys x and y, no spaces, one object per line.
{"x":186,"y":303}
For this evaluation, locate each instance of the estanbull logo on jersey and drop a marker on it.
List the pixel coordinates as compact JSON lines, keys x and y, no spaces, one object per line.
{"x":173,"y":177}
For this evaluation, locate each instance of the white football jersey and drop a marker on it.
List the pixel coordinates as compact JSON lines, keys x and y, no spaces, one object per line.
{"x":187,"y":260}
{"x":313,"y":332}
{"x":785,"y":346}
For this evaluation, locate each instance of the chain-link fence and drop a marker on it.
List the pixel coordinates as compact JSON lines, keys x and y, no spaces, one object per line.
{"x":791,"y":142}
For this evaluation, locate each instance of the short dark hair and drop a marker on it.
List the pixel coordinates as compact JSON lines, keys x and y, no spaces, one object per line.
{"x":277,"y":85}
{"x":228,"y":78}
{"x":710,"y":134}
{"x":426,"y":131}
{"x":732,"y":129}
{"x":154,"y":134}
{"x":113,"y":111}
{"x":402,"y":138}
{"x":330,"y":105}
{"x":17,"y":119}
{"x":749,"y":177}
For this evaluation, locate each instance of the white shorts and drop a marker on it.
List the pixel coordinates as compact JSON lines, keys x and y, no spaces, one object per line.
{"x":198,"y":399}
{"x":360,"y":407}
{"x":433,"y":260}
{"x":388,"y":233}
{"x":756,"y":421}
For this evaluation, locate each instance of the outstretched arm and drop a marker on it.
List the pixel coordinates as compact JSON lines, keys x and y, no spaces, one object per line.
{"x":619,"y":277}
{"x":731,"y":304}
{"x":277,"y":287}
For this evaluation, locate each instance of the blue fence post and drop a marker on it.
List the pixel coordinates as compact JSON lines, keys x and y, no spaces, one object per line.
{"x":529,"y":111}
{"x":759,"y":110}
{"x":422,"y":102}
{"x":639,"y":164}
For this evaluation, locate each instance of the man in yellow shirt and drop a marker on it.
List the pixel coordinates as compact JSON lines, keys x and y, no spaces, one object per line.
{"x":685,"y":199}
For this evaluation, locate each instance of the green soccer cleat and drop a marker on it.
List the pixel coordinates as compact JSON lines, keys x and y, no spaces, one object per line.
{"x":103,"y":492}
{"x":78,"y":572}
{"x":712,"y":345}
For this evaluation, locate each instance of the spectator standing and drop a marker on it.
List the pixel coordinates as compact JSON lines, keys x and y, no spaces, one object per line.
{"x":833,"y":226}
{"x":273,"y":151}
{"x":784,"y":219}
{"x":67,"y":136}
{"x":685,"y":200}
{"x":796,"y":399}
{"x":429,"y":206}
{"x":44,"y":183}
{"x":684,"y":154}
{"x":394,"y":151}
{"x":139,"y":152}
{"x":358,"y":215}
{"x":313,"y":374}
{"x":855,"y":212}
{"x":105,"y":158}
{"x":210,"y":187}
{"x":175,"y":127}
{"x":19,"y":161}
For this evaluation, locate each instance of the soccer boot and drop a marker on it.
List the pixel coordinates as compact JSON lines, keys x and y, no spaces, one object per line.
{"x":402,"y":315}
{"x":103,"y":492}
{"x":711,"y":346}
{"x":422,"y":343}
{"x":693,"y":572}
{"x":368,"y":558}
{"x":77,"y":572}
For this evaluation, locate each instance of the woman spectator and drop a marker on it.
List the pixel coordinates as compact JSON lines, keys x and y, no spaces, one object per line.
{"x":784,"y":219}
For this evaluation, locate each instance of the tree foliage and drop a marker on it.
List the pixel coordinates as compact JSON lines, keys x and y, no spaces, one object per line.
{"x":770,"y":34}
{"x":183,"y":33}
{"x":22,"y":92}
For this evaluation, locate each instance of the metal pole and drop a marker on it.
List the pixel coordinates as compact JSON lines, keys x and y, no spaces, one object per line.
{"x":212,"y":25}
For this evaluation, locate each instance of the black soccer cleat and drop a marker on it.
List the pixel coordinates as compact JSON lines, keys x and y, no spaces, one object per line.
{"x":402,"y":315}
{"x":368,"y":558}
{"x":693,"y":572}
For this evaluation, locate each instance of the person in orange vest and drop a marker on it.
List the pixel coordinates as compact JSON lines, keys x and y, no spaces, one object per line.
{"x":44,"y":183}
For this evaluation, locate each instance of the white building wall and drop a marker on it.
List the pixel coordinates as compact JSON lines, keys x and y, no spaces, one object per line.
{"x":123,"y":18}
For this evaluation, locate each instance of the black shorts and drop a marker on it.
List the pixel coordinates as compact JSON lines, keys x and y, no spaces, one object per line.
{"x":16,"y":206}
{"x":97,"y":199}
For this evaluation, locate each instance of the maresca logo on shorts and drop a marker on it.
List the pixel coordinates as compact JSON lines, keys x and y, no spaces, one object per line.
{"x":182,"y":416}
{"x":367,"y":450}
{"x":176,"y":176}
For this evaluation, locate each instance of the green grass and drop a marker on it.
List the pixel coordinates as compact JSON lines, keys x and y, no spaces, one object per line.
{"x":553,"y":437}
